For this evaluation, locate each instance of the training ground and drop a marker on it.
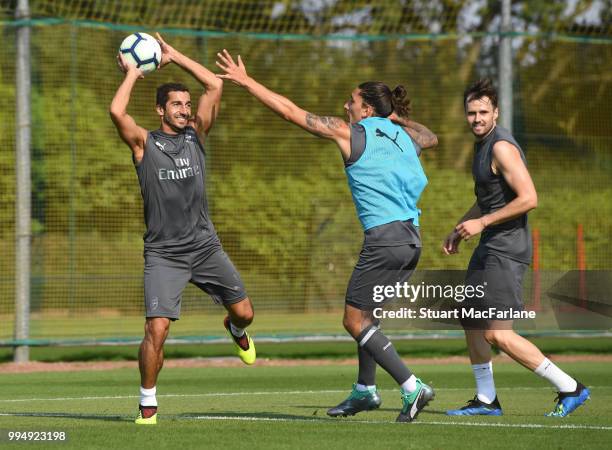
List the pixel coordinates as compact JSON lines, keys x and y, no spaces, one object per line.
{"x":281,"y":402}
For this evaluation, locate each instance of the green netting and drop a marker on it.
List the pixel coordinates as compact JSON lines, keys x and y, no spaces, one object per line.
{"x":279,"y":198}
{"x":322,"y":17}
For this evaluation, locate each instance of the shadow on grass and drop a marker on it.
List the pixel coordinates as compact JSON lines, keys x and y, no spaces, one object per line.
{"x":263,"y":416}
{"x":104,"y":417}
{"x":322,"y":410}
{"x":314,"y":407}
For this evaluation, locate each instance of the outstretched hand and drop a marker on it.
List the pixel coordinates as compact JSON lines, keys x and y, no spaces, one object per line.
{"x":168,"y":51}
{"x":125,"y":67}
{"x":236,"y":73}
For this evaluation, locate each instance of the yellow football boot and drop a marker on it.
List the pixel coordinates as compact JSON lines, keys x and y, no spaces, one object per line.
{"x":148,"y":418}
{"x":244,"y":344}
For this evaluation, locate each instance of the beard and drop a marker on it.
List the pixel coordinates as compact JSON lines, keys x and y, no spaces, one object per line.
{"x":175,"y":124}
{"x":483,"y":130}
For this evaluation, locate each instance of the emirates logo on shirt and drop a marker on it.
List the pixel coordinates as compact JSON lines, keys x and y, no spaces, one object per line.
{"x":183,"y":170}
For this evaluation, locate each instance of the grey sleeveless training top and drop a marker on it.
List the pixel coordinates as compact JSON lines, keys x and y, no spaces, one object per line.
{"x":172,"y":182}
{"x":512,"y":238}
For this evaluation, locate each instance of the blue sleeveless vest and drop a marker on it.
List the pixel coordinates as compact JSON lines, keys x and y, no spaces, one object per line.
{"x":387,"y":180}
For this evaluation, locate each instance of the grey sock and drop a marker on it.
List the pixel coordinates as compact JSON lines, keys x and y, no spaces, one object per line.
{"x":380,"y":348}
{"x":367,"y":367}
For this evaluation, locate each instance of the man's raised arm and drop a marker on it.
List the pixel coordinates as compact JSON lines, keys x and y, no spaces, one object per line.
{"x":208,"y":104}
{"x":131,"y":133}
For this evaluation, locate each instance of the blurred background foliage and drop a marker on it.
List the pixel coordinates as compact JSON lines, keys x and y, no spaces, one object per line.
{"x":278,"y":196}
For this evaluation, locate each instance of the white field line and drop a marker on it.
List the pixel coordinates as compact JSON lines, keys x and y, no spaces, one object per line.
{"x":235,"y":394}
{"x":334,"y":421}
{"x":422,"y":422}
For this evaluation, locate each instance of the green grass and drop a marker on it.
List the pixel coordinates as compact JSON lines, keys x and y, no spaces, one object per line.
{"x":416,"y":348}
{"x":112,"y":324}
{"x":284,"y":407}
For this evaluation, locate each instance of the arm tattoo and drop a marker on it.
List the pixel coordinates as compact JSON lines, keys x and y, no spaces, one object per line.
{"x":329,"y":122}
{"x":311,"y":120}
{"x":421,"y":134}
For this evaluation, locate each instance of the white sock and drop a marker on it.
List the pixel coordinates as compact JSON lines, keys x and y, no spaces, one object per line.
{"x":562,"y":381}
{"x":485,"y":386}
{"x":147,"y":396}
{"x":238,"y":332}
{"x":409,"y":385}
{"x":363,"y":387}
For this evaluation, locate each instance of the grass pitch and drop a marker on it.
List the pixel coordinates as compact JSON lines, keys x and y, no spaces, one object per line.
{"x":422,"y":348}
{"x":284,"y":407}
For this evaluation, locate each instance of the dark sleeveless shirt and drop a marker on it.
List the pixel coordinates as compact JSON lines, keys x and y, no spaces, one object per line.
{"x":512,"y":238}
{"x":172,"y":182}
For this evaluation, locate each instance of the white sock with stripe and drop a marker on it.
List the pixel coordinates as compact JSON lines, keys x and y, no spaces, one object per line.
{"x":562,"y":381}
{"x":485,"y":386}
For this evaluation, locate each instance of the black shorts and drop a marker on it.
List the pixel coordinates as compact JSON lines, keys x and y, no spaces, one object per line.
{"x":380,"y":266}
{"x":209,"y":268}
{"x":501,"y":280}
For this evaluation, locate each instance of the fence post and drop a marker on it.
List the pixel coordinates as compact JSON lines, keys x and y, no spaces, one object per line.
{"x":537,"y":282}
{"x":505,"y":67}
{"x":581,"y":259}
{"x":23,"y":200}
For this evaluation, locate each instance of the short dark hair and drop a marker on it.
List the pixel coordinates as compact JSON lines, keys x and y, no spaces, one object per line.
{"x":385,"y":101}
{"x":165,"y":89}
{"x":481,"y":88}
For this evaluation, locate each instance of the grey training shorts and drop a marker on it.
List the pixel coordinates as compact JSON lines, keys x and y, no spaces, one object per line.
{"x":502,"y":281}
{"x":209,"y":268}
{"x":380,"y":266}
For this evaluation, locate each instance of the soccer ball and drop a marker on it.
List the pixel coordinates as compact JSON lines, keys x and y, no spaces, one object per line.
{"x":141,"y":50}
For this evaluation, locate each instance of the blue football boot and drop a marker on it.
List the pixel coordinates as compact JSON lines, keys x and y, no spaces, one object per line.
{"x":569,"y":401}
{"x":476,"y":407}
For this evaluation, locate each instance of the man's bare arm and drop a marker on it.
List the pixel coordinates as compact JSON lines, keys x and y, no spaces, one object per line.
{"x":472,"y":213}
{"x":422,"y":135}
{"x":327,"y":127}
{"x":322,"y":125}
{"x":210,"y":100}
{"x":507,"y":160}
{"x":131,"y":133}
